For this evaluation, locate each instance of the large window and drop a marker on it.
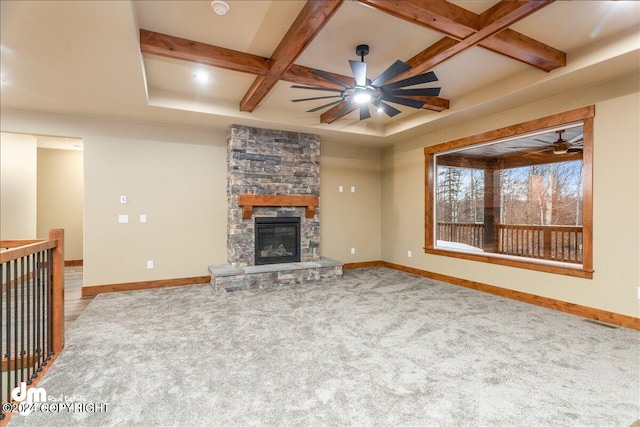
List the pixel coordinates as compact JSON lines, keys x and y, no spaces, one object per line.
{"x":518,"y":196}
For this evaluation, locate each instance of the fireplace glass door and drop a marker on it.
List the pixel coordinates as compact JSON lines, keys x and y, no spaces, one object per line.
{"x":277,"y":240}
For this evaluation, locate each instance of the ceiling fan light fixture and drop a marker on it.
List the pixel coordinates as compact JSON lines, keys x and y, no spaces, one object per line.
{"x":362,"y":97}
{"x":379,"y":92}
{"x":560,"y":150}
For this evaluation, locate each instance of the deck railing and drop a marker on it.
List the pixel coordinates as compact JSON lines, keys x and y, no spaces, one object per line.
{"x":549,"y":242}
{"x":32,"y":313}
{"x":467,"y":233}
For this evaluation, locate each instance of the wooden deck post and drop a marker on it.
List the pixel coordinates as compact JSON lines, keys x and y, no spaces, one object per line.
{"x":491,"y":210}
{"x":546,"y":238}
{"x":57,"y":290}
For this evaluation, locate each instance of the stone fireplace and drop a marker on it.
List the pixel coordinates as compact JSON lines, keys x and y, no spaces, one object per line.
{"x":263,"y":162}
{"x":272,"y":177}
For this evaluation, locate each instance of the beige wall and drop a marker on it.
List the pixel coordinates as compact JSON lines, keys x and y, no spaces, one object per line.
{"x":18,"y":179}
{"x":60,"y":197}
{"x":616,"y":202}
{"x":178,"y":185}
{"x":350,"y":219}
{"x":174,"y":175}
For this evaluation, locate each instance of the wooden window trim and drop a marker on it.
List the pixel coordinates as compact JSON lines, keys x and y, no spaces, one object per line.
{"x":586,"y":116}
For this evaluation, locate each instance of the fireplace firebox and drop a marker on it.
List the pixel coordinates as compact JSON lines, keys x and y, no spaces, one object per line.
{"x":277,"y":240}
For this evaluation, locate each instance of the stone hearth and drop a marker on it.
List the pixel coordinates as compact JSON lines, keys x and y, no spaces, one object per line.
{"x":227,"y":278}
{"x":265,"y":167}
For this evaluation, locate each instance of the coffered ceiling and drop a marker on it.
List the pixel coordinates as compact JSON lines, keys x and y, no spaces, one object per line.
{"x":137,"y":60}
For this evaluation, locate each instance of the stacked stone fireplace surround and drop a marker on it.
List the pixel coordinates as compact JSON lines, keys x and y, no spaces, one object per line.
{"x":274,"y":163}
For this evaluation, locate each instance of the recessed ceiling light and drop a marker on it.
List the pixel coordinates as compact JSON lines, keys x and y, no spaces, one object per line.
{"x":202,"y":76}
{"x":220,"y":7}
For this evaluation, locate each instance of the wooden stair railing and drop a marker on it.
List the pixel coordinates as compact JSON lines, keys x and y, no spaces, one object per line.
{"x":32,"y":320}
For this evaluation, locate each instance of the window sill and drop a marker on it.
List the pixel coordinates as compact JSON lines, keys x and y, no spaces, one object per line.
{"x":574,"y":270}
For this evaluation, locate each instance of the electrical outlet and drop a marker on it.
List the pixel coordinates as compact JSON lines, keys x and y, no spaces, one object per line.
{"x":149,"y":264}
{"x":409,"y":254}
{"x":340,"y":188}
{"x":123,"y":219}
{"x":353,"y":251}
{"x":123,"y":199}
{"x":638,"y":292}
{"x":143,"y":218}
{"x":353,"y":188}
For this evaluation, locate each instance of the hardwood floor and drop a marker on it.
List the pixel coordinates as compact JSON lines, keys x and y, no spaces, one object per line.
{"x":74,"y":303}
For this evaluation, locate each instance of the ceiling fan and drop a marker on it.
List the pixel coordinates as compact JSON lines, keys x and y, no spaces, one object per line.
{"x":561,"y":146}
{"x":377,"y":92}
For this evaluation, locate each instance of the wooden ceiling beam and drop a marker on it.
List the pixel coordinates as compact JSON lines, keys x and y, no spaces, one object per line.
{"x":494,"y":20}
{"x":312,"y":18}
{"x":188,"y":50}
{"x":202,"y":53}
{"x":458,"y":23}
{"x":440,"y":15}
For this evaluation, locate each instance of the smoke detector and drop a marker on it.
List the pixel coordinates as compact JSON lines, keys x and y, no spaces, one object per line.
{"x":220,"y":7}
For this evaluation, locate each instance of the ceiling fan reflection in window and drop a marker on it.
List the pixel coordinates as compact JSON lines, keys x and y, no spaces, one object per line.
{"x":560,"y":146}
{"x":375,"y":92}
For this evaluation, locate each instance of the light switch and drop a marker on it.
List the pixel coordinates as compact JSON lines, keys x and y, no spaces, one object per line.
{"x":123,"y":219}
{"x":123,"y":199}
{"x":353,"y":188}
{"x":149,"y":264}
{"x":143,"y":218}
{"x":340,"y":189}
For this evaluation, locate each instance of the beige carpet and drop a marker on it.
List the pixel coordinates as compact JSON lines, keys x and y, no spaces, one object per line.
{"x":380,"y":347}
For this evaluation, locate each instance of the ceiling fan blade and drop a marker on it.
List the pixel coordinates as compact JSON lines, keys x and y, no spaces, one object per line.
{"x":395,"y":69}
{"x":313,"y":110}
{"x":386,"y":108}
{"x":329,"y":77}
{"x":412,"y":81}
{"x":359,"y":70}
{"x":315,"y":88}
{"x":317,"y":97}
{"x":344,"y":110}
{"x":431,"y":91}
{"x":576,"y":139}
{"x":536,"y":152}
{"x":337,"y":111}
{"x":364,"y":112}
{"x":402,"y":101}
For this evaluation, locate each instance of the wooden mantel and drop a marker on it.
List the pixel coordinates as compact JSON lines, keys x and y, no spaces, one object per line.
{"x":248,"y":201}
